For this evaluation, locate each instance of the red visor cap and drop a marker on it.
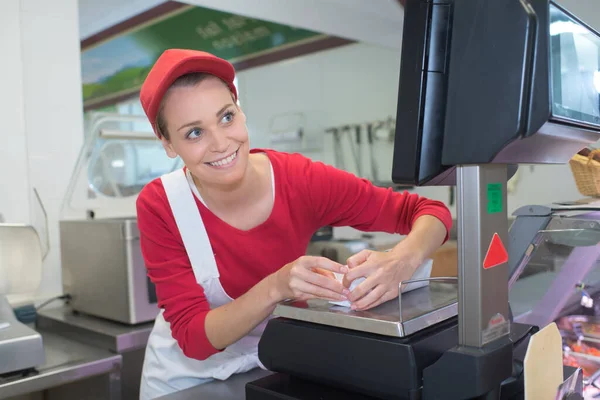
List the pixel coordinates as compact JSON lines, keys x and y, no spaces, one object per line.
{"x":174,"y":63}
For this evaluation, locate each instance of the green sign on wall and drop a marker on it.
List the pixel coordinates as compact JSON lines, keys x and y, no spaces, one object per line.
{"x":119,"y":66}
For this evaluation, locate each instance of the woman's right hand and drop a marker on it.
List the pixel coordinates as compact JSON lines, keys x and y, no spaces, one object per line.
{"x":309,"y":277}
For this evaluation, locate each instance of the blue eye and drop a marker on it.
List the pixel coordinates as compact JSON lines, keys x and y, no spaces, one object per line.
{"x":227,"y":118}
{"x":193,"y":134}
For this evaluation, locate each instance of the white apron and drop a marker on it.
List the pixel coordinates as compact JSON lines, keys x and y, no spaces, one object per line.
{"x":166,"y":369}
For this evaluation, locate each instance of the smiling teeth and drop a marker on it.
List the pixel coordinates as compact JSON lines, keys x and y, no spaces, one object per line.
{"x":225,"y":161}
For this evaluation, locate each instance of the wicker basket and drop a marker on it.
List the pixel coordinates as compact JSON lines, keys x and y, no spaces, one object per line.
{"x":585,"y":166}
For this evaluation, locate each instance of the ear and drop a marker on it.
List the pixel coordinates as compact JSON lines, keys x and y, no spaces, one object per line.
{"x":168,"y":147}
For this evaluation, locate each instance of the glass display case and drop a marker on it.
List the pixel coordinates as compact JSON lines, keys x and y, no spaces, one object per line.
{"x":120,"y":155}
{"x":555,"y":277}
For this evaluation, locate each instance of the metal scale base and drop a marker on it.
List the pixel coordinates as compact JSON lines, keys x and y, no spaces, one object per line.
{"x":21,"y":347}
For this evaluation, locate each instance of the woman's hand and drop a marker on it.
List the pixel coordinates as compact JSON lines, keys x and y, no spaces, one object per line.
{"x":309,"y":277}
{"x":383,"y":272}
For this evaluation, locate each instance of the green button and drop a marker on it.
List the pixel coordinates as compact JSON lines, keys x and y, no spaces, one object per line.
{"x":494,"y":198}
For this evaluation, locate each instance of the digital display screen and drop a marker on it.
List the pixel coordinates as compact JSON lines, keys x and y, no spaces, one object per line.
{"x":575,"y":69}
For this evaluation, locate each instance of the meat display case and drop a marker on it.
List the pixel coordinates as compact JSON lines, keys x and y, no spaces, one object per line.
{"x":554,"y":277}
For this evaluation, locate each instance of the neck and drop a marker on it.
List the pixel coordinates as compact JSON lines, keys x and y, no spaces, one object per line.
{"x":226,"y":197}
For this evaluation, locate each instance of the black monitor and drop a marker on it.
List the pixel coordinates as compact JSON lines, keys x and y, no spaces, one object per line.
{"x":503,"y":81}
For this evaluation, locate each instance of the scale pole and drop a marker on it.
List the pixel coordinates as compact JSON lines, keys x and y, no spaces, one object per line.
{"x":482,"y":231}
{"x":483,"y":357}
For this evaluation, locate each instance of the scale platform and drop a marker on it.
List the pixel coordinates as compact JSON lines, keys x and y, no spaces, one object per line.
{"x":21,"y":347}
{"x":421,"y":308}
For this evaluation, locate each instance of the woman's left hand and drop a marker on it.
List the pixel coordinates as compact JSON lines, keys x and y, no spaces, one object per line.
{"x":383,"y":272}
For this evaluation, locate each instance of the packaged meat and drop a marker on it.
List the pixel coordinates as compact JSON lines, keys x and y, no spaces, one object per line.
{"x":587,"y":326}
{"x":588,"y":367}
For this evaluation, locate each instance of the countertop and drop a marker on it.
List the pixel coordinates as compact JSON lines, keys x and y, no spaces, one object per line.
{"x":66,"y":361}
{"x":94,"y":331}
{"x":233,"y":388}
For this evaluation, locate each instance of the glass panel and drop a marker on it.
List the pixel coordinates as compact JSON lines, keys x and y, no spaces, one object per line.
{"x":120,"y":156}
{"x":575,"y":65}
{"x":568,"y":246}
{"x":121,"y":168}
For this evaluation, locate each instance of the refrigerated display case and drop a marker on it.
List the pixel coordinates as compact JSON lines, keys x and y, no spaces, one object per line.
{"x":555,"y":277}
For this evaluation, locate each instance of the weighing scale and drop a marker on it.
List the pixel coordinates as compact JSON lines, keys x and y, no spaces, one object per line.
{"x":484,"y":86}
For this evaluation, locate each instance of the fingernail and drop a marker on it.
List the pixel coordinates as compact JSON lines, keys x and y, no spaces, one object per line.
{"x":344,"y":269}
{"x":346,"y":292}
{"x":353,"y":307}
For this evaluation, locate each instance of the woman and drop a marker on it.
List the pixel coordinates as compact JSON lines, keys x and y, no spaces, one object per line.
{"x":224,"y":239}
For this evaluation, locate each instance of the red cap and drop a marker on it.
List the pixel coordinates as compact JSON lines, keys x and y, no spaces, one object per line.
{"x":174,"y":63}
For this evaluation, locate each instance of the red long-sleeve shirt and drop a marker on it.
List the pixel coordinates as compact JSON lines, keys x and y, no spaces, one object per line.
{"x":308,"y":195}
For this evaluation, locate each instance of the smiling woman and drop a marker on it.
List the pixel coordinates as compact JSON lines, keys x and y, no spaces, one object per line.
{"x":199,"y":121}
{"x":224,"y":238}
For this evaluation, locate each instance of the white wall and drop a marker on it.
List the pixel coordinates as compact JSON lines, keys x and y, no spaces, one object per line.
{"x":96,"y":16}
{"x":14,"y":176}
{"x":41,"y":116}
{"x":352,"y":84}
{"x":358,"y":83}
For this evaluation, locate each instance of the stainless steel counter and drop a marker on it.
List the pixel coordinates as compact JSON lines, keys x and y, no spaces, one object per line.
{"x":66,"y":361}
{"x":127,"y":340}
{"x":99,"y":332}
{"x":233,"y":388}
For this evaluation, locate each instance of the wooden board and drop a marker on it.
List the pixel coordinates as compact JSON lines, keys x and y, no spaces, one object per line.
{"x":543,"y":369}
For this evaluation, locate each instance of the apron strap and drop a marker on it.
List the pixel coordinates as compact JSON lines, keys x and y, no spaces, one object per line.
{"x":190,"y":224}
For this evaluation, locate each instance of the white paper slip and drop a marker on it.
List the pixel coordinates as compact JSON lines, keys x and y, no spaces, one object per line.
{"x":422,"y":272}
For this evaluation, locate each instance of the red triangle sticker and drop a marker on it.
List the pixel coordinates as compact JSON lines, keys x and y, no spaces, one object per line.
{"x":496,"y":254}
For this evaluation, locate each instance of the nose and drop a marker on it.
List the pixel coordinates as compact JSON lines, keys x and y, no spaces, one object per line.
{"x":220,"y":143}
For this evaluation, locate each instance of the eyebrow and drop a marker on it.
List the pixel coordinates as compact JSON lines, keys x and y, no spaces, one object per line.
{"x":198,"y":122}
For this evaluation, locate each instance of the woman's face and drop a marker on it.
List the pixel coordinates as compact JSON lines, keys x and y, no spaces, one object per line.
{"x":208,"y":131}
